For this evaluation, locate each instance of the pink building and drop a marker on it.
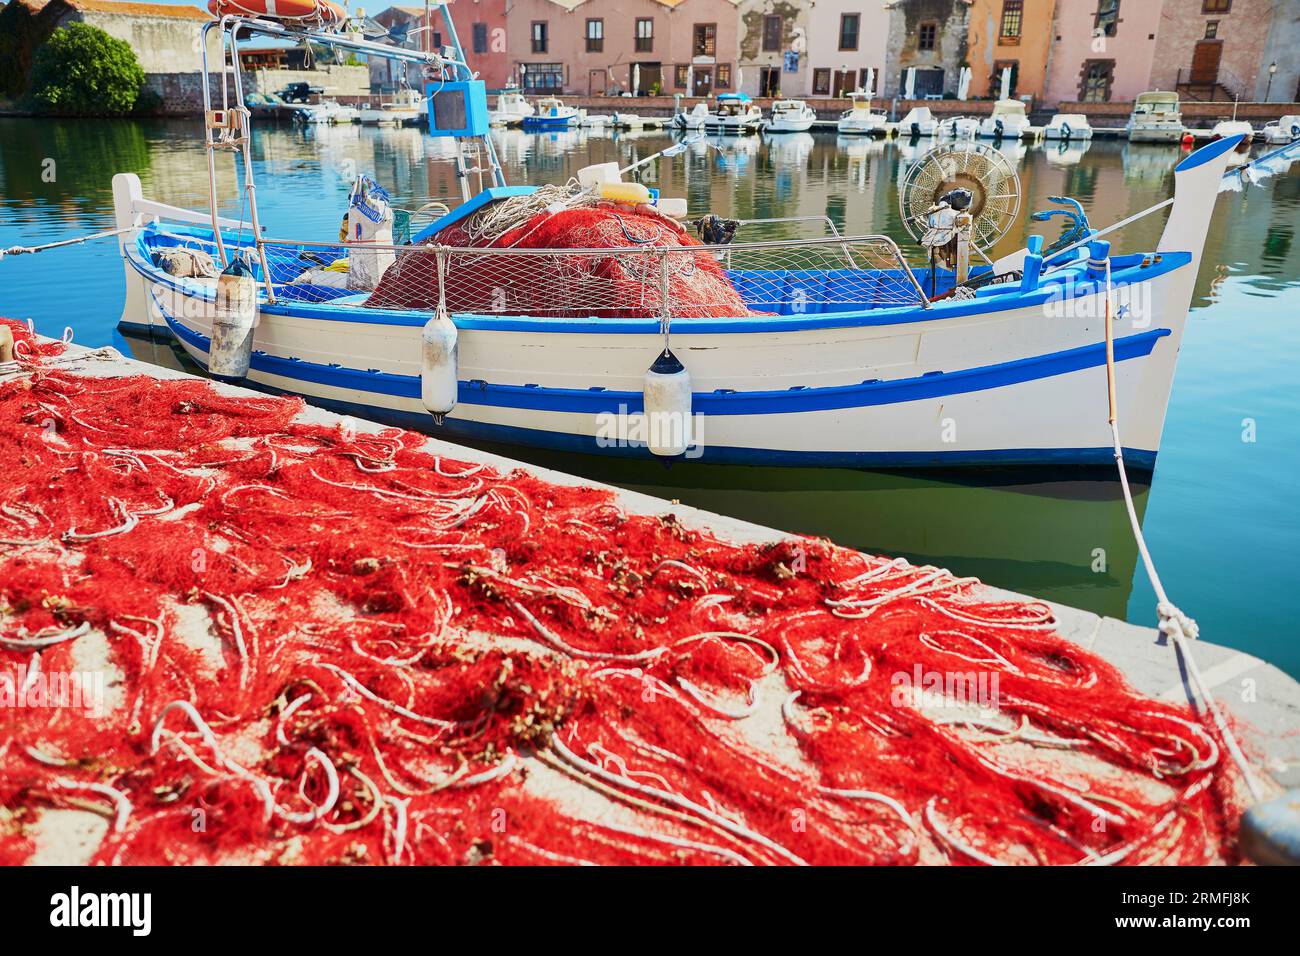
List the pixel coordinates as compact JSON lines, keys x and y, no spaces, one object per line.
{"x":594,"y":47}
{"x":1102,"y":51}
{"x":1214,"y":49}
{"x":480,"y":27}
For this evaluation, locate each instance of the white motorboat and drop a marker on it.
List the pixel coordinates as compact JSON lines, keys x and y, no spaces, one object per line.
{"x":860,"y":119}
{"x":959,"y":127}
{"x":327,"y":112}
{"x":1007,"y":121}
{"x":694,"y":118}
{"x":1155,"y":118}
{"x":919,"y":121}
{"x":734,"y":113}
{"x":1068,"y":126}
{"x":512,"y":107}
{"x":1232,"y":128}
{"x":551,"y":113}
{"x":1282,"y":131}
{"x":404,"y":109}
{"x":790,"y":116}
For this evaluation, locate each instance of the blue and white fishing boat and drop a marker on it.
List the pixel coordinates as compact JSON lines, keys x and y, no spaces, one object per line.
{"x":551,"y":113}
{"x":840,"y":353}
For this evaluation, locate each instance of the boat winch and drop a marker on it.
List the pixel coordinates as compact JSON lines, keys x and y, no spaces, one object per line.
{"x":233,"y":320}
{"x":667,"y":401}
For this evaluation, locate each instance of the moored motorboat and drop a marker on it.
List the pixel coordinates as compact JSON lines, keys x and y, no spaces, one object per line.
{"x":959,"y":127}
{"x":694,"y":118}
{"x":551,"y":113}
{"x":404,"y":109}
{"x":734,"y":113}
{"x":1007,"y":121}
{"x":512,"y":107}
{"x":790,"y":116}
{"x":860,"y":119}
{"x":919,"y":121}
{"x":1155,"y":118}
{"x":1281,"y":131}
{"x":1068,"y":126}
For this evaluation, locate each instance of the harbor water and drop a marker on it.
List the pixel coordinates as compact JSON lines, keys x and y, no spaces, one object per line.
{"x":1221,"y":513}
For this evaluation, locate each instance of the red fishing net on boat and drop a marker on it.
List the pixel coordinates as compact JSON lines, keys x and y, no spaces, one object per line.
{"x":625,"y":285}
{"x":321,"y":643}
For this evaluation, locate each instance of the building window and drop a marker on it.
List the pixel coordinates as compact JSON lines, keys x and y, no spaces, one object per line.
{"x":1107,"y":19}
{"x":1211,"y":29}
{"x":544,"y":78}
{"x":822,"y":82}
{"x":595,"y":36}
{"x":724,"y":76}
{"x":1095,"y":84}
{"x":706,"y":40}
{"x":1013,"y":18}
{"x":539,"y":36}
{"x":1216,"y":6}
{"x":479,"y":33}
{"x":849,"y":31}
{"x":680,"y":73}
{"x":645,"y":35}
{"x":772,"y":34}
{"x":926,"y":35}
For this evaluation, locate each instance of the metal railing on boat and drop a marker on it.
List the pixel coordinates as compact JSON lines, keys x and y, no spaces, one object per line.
{"x":781,"y":277}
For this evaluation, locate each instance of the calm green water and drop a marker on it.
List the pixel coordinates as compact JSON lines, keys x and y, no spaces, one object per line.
{"x":1221,"y":513}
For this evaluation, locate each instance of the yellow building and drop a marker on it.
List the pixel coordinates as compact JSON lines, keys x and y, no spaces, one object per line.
{"x":1009,"y":33}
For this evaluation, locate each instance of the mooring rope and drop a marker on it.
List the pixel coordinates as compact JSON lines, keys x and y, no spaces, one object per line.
{"x":28,"y":250}
{"x":1174,"y":624}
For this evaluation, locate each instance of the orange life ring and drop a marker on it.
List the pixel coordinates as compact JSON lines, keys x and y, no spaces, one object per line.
{"x":314,"y":11}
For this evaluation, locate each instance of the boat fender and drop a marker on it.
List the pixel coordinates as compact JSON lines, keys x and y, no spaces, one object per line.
{"x":667,"y":399}
{"x":624,"y":194}
{"x":439,"y":358}
{"x":233,"y":319}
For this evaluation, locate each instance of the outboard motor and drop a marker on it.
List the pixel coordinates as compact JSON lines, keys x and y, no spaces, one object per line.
{"x":998,"y":129}
{"x":1065,"y":130}
{"x":667,"y":400}
{"x":233,"y":319}
{"x":916,"y":129}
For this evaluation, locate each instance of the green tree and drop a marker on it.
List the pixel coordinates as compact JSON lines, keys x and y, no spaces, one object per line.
{"x":81,"y":70}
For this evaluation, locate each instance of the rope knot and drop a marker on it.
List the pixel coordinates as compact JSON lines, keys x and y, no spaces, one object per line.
{"x":1169,"y":613}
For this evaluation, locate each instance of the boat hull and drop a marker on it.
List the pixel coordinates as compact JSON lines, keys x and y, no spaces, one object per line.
{"x":1011,"y":387}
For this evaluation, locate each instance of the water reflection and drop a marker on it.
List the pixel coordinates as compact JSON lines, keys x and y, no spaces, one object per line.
{"x":1060,"y":536}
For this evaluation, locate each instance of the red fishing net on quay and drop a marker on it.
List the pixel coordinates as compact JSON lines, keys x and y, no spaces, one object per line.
{"x":329,"y":646}
{"x":566,"y":284}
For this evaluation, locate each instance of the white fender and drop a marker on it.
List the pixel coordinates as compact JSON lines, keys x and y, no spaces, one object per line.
{"x":667,"y":398}
{"x":233,"y":319}
{"x":439,"y":360}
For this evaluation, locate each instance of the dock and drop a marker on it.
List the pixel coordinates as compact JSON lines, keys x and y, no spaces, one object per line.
{"x":592,"y":799}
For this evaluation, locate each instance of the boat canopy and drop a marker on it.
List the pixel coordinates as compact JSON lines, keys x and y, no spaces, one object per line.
{"x":1009,"y":108}
{"x":1156,"y":101}
{"x":734,"y":98}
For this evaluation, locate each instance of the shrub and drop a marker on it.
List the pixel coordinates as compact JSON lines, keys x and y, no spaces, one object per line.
{"x":81,"y":70}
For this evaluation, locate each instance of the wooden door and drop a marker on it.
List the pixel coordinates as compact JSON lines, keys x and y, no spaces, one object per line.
{"x":1205,"y":62}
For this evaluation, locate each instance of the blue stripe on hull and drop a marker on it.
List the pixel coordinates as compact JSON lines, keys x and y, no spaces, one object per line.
{"x":1136,"y":460}
{"x":783,"y":402}
{"x":455,"y":428}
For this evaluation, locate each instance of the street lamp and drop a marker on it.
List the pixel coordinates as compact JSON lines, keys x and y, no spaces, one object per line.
{"x":1272,"y":68}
